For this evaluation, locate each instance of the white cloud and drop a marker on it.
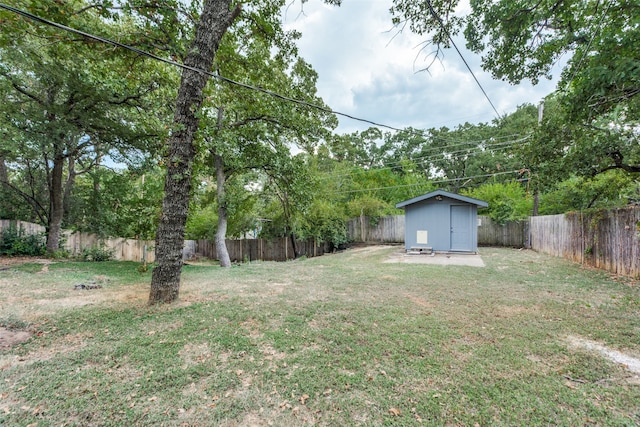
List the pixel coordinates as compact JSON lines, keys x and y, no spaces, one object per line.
{"x":366,"y":69}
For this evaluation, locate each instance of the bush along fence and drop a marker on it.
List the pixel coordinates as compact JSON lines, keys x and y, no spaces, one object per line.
{"x":607,"y":239}
{"x":21,"y":238}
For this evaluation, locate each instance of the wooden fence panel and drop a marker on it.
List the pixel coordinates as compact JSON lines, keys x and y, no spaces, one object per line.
{"x":386,"y":229}
{"x":26,"y":227}
{"x":512,"y":233}
{"x":206,"y":249}
{"x":75,"y":243}
{"x":123,"y":249}
{"x":279,"y":249}
{"x":608,"y":240}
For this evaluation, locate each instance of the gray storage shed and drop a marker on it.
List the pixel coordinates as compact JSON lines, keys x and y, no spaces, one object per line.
{"x":441,"y":222}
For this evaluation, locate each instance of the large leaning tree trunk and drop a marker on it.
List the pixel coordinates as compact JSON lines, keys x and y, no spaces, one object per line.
{"x":214,"y":21}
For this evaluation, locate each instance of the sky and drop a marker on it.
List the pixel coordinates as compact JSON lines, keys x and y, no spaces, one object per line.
{"x":369,"y":70}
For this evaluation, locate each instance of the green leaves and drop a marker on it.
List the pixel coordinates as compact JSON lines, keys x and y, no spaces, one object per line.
{"x":70,"y":102}
{"x":507,"y":201}
{"x":598,"y":103}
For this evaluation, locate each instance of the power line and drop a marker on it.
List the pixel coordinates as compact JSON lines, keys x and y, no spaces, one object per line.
{"x":427,"y":183}
{"x":437,"y":18}
{"x":420,"y":161}
{"x":186,"y":67}
{"x":492,"y":142}
{"x":468,"y":150}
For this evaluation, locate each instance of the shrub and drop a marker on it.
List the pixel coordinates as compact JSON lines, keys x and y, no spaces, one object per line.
{"x":325,"y":222}
{"x":508,"y":201}
{"x":14,"y":242}
{"x":96,"y":254}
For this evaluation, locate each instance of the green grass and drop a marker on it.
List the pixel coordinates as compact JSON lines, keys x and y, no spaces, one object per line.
{"x":335,"y":340}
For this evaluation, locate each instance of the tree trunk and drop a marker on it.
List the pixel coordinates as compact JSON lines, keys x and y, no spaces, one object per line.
{"x":214,"y":21}
{"x":71,"y":179}
{"x":4,"y":175}
{"x":221,"y":232}
{"x":294,"y":246}
{"x":56,"y":208}
{"x":5,"y":204}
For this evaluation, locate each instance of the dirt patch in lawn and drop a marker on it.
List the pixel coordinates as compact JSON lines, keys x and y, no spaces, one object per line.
{"x":31,"y":301}
{"x":420,"y":301}
{"x":9,"y":338}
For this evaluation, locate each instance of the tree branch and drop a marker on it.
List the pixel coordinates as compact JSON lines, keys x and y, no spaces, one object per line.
{"x":618,"y":163}
{"x":40,"y":211}
{"x":24,"y":91}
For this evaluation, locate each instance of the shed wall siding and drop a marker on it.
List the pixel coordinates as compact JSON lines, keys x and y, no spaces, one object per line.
{"x":435,"y":217}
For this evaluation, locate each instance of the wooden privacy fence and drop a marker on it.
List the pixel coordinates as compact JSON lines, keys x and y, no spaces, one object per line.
{"x":123,"y":249}
{"x":609,"y":240}
{"x":26,"y":227}
{"x":386,"y":229}
{"x":511,"y":234}
{"x":280,"y":249}
{"x":144,"y":250}
{"x":239,"y":250}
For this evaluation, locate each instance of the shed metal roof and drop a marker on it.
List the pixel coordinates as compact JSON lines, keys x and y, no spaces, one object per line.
{"x":443,"y":193}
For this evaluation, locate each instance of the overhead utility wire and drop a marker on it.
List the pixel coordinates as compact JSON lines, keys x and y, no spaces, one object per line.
{"x":186,"y":67}
{"x":476,"y":141}
{"x":429,"y":182}
{"x":424,"y":163}
{"x":420,"y":161}
{"x":468,"y":150}
{"x":437,"y":18}
{"x":430,"y":151}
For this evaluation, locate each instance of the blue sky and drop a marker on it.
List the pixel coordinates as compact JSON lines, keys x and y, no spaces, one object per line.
{"x":366,"y":69}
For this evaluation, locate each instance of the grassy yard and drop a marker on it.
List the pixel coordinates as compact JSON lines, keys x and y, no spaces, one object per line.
{"x":337,"y":340}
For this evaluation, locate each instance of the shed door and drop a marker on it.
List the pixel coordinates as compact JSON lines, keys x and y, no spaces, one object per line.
{"x":461,"y":228}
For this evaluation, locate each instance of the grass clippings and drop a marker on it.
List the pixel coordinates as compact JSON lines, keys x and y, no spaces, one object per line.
{"x":342,"y":339}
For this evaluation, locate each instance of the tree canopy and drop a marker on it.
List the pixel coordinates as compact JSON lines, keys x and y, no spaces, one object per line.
{"x":596,"y":115}
{"x":70,"y":102}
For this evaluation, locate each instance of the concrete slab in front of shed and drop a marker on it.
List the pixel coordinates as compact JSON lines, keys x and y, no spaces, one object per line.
{"x":449,"y":258}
